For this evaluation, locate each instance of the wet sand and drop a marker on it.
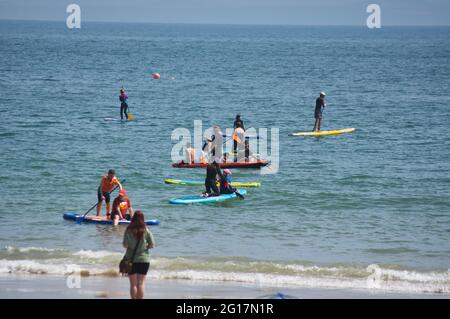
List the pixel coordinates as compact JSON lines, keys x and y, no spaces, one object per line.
{"x":92,"y":287}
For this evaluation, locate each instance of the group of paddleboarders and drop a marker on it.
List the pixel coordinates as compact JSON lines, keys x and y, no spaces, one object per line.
{"x":121,"y":208}
{"x":212,"y":149}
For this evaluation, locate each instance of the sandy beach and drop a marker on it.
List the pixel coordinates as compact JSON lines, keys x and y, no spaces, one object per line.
{"x":55,"y":287}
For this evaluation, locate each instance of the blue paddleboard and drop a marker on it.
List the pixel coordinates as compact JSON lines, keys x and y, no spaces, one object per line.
{"x":102,"y":220}
{"x":203,"y":200}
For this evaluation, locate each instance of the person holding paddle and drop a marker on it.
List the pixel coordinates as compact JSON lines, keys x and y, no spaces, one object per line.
{"x":225,"y":183}
{"x":320,"y":106}
{"x":107,"y":184}
{"x":123,"y":97}
{"x":121,"y":206}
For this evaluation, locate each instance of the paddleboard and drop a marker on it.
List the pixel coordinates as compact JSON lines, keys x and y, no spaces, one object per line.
{"x":102,"y":220}
{"x":112,"y":119}
{"x":255,"y":164}
{"x":203,"y":200}
{"x":200,"y":183}
{"x":323,"y":133}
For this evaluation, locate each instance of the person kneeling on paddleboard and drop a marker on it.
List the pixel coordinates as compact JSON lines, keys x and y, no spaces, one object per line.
{"x":225,"y":182}
{"x":121,"y":205}
{"x":320,"y":106}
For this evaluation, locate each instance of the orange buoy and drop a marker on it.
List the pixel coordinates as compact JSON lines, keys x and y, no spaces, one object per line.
{"x":156,"y":76}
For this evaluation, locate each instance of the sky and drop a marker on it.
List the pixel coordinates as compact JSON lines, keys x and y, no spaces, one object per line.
{"x":278,"y":12}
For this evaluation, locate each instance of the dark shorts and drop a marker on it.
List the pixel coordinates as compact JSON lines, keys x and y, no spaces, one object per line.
{"x":99,"y":196}
{"x":318,"y":114}
{"x":127,"y":216}
{"x":139,"y":268}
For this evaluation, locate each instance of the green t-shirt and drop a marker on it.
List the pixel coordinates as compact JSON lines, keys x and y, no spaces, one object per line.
{"x":142,"y":254}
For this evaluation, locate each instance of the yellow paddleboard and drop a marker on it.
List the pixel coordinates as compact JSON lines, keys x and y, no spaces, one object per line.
{"x":200,"y":183}
{"x":323,"y":133}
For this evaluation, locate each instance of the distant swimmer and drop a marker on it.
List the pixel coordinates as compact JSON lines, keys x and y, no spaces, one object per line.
{"x":123,"y":97}
{"x":107,"y":184}
{"x":320,"y":106}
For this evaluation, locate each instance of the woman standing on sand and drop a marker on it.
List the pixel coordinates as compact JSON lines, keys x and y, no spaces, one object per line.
{"x":138,"y":237}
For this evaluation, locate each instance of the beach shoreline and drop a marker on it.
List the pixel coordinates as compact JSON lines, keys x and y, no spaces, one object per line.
{"x":101,"y":287}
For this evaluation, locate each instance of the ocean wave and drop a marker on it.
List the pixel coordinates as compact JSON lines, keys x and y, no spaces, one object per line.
{"x":231,"y":269}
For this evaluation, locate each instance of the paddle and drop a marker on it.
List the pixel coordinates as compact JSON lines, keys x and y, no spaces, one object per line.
{"x":240,"y":196}
{"x":97,"y":202}
{"x":130,"y":115}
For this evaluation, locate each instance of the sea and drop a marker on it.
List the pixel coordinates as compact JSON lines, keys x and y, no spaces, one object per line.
{"x":365,"y":210}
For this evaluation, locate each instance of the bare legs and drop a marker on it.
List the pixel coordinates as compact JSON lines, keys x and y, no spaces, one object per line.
{"x":99,"y":208}
{"x":137,"y":286}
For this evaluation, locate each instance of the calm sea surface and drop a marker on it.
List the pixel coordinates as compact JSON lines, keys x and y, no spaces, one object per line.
{"x":340,"y":209}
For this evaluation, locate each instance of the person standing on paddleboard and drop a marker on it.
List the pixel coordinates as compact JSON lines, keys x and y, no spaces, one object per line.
{"x":123,"y":97}
{"x":238,"y":123}
{"x":320,"y":106}
{"x":107,"y":184}
{"x":238,"y":138}
{"x":211,"y":179}
{"x":121,"y":206}
{"x":238,"y":120}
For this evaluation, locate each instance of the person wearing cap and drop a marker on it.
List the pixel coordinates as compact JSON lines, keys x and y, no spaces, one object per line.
{"x":107,"y":184}
{"x":123,"y":97}
{"x":320,"y":105}
{"x":121,"y":206}
{"x":225,"y":182}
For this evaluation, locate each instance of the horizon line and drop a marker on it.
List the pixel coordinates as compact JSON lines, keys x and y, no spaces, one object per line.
{"x":230,"y":24}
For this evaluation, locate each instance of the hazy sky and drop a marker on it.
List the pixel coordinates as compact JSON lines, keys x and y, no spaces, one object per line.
{"x":303,"y":12}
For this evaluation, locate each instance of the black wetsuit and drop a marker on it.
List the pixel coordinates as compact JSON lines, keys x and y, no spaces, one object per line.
{"x":239,"y":121}
{"x":210,"y":180}
{"x":319,"y":107}
{"x":123,"y":108}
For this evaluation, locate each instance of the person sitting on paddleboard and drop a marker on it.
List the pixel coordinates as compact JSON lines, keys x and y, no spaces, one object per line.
{"x":211,"y":178}
{"x":320,"y":105}
{"x":123,"y":97}
{"x":190,"y":153}
{"x":225,"y":182}
{"x":121,"y":205}
{"x":107,"y":184}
